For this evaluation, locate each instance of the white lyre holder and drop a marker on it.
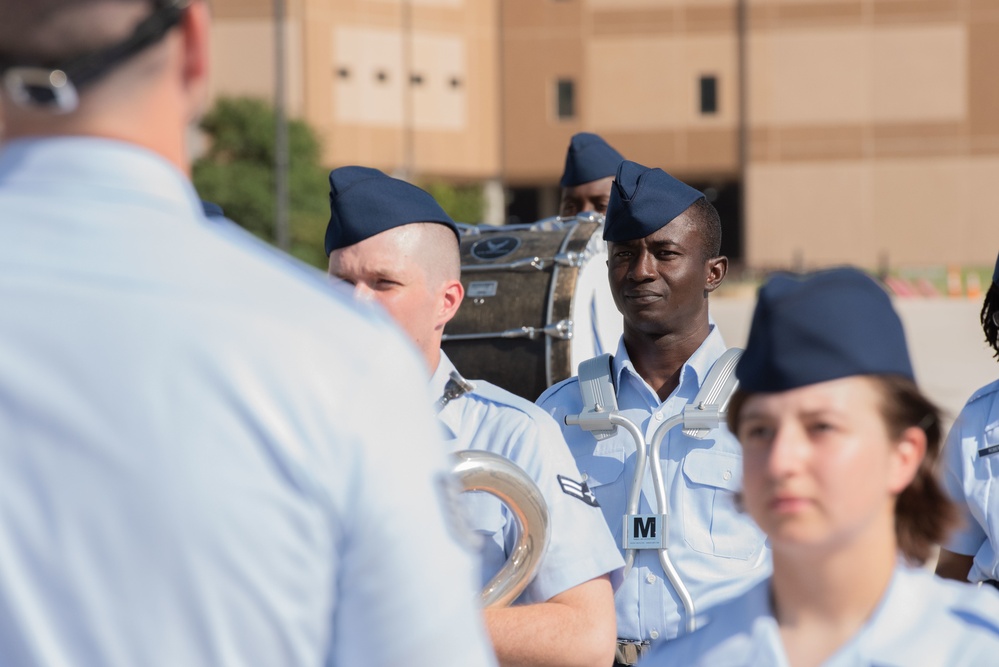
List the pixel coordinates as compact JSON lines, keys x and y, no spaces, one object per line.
{"x":698,"y":418}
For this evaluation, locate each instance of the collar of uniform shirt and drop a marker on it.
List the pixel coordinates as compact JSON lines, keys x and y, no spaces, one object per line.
{"x":693,"y":372}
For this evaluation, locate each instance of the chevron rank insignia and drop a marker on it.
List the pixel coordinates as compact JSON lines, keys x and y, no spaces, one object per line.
{"x":571,"y":487}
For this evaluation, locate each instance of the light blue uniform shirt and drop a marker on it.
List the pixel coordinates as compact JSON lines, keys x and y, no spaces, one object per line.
{"x":717,"y":550}
{"x":922,"y":621}
{"x":971,"y":477}
{"x":494,"y":420}
{"x":198,"y":466}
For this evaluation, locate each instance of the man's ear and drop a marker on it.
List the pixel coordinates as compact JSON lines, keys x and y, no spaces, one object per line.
{"x":452,"y":294}
{"x":907,"y":457}
{"x":717,"y":269}
{"x":196,"y":30}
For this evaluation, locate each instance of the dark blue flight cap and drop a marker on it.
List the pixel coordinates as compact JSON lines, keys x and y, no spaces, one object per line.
{"x":821,"y":326}
{"x":643,"y":201}
{"x":365,"y":202}
{"x":589,"y":158}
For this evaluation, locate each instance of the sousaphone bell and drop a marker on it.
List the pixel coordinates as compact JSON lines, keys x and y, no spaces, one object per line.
{"x":499,"y":476}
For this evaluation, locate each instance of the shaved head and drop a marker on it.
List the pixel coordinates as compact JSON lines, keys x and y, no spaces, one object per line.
{"x":428,"y":247}
{"x":438,"y":249}
{"x":146,"y":96}
{"x":48,"y":30}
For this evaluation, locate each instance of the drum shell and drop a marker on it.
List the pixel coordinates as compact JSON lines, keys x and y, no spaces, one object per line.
{"x":499,"y":298}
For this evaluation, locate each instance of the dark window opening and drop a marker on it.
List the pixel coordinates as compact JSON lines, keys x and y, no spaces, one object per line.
{"x":416,"y":79}
{"x":381,"y":75}
{"x":565,"y":98}
{"x":522,"y":206}
{"x":455,"y":82}
{"x":343,"y":73}
{"x":726,"y":197}
{"x":709,"y":94}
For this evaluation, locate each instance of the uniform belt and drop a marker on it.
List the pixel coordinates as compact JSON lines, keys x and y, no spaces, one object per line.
{"x":629,"y":651}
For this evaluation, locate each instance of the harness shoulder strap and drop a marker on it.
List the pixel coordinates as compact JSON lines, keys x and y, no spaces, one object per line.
{"x":596,"y":385}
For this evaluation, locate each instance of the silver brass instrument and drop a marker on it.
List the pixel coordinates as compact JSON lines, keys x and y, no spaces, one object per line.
{"x":502,"y":478}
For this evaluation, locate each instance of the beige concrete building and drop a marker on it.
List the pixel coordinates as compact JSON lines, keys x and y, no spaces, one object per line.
{"x":407,"y":86}
{"x":862,"y":131}
{"x":874,"y":132}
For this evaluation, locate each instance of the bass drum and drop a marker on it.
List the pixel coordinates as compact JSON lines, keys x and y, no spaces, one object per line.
{"x":537,"y":302}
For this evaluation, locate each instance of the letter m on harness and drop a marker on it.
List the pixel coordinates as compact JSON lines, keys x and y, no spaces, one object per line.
{"x":644,"y":531}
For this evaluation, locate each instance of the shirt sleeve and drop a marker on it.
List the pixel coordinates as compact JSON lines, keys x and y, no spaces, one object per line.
{"x":957,"y":462}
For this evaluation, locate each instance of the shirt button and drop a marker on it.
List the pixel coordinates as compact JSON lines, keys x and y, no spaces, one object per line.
{"x":651,"y":578}
{"x":659,"y":416}
{"x":654,"y":634}
{"x":585,"y":477}
{"x":727,"y":475}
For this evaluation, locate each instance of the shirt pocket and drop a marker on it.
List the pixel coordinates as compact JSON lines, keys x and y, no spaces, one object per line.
{"x":712,"y":522}
{"x":990,"y":440}
{"x":978,"y":485}
{"x":603,"y":473}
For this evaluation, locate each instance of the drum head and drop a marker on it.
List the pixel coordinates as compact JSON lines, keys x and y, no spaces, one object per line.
{"x":536,"y":303}
{"x":598,"y":323}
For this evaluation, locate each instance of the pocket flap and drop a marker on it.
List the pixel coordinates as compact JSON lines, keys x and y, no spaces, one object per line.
{"x":604,"y":466}
{"x":722,"y":470}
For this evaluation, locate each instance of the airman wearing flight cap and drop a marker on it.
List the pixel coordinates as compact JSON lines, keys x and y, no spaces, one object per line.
{"x":395,"y":244}
{"x":838,"y":453}
{"x":663,"y":247}
{"x":590,"y":165}
{"x":971,"y":471}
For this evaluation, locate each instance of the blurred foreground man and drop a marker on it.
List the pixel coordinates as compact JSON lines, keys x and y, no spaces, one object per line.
{"x":398,"y":247}
{"x":196,"y":467}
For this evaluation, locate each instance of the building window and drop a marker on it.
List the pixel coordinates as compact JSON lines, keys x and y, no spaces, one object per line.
{"x":343,"y":73}
{"x":565,"y":98}
{"x":416,"y":79}
{"x":381,"y":75}
{"x":709,"y":94}
{"x":455,"y":82}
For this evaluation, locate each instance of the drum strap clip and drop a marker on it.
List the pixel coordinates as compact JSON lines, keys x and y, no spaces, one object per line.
{"x":596,"y":384}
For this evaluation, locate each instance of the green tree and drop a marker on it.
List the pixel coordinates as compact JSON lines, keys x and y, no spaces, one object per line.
{"x":237,"y":173}
{"x":464,"y":203}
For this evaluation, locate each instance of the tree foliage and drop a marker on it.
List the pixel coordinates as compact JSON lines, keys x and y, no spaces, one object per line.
{"x":237,"y":173}
{"x":464,"y":203}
